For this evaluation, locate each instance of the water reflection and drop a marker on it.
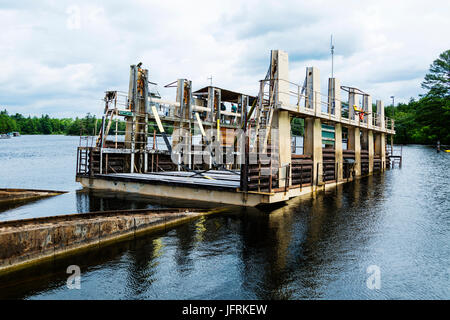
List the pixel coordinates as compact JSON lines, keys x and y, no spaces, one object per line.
{"x":287,"y":253}
{"x":97,"y":200}
{"x":291,"y":252}
{"x":16,"y":204}
{"x":102,"y":200}
{"x":185,"y":243}
{"x":143,"y":261}
{"x":85,"y":200}
{"x":311,"y":247}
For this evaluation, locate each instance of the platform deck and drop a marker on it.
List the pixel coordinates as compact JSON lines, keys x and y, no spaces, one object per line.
{"x":216,"y":179}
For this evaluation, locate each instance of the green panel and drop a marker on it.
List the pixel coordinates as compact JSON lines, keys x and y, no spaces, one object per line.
{"x":328,"y":136}
{"x":327,"y":127}
{"x":125,"y":113}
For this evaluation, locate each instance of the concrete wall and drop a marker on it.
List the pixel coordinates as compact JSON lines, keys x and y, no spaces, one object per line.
{"x":26,"y":241}
{"x":281,"y":119}
{"x":312,"y":143}
{"x":334,"y":99}
{"x":339,"y":157}
{"x":371,"y":150}
{"x":281,"y":59}
{"x":9,"y":195}
{"x":352,"y":100}
{"x":354,"y":143}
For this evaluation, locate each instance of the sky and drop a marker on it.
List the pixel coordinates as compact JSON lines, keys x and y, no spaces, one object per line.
{"x":58,"y":57}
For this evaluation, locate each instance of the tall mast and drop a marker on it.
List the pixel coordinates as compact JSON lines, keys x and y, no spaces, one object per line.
{"x":332,"y":57}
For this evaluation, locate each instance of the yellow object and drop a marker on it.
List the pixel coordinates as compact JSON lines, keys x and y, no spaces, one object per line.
{"x":218,"y":130}
{"x":355,"y":107}
{"x":447,"y":150}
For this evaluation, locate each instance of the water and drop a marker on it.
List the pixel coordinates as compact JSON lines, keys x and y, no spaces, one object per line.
{"x":311,"y":248}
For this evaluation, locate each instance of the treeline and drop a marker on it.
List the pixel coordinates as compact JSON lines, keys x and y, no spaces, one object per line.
{"x":424,"y":121}
{"x":46,"y":125}
{"x":427,"y":120}
{"x":89,"y":125}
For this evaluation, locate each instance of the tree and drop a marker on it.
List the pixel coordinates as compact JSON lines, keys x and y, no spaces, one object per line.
{"x":7,"y":124}
{"x":46,"y":125}
{"x":437,"y":81}
{"x":28,"y":126}
{"x":433,"y":113}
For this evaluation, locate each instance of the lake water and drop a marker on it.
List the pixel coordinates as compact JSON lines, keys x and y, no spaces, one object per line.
{"x":311,"y":248}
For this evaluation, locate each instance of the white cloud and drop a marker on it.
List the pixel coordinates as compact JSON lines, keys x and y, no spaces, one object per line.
{"x":59,"y":57}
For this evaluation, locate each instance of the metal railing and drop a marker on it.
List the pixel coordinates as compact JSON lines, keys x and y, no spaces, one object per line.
{"x":302,"y":99}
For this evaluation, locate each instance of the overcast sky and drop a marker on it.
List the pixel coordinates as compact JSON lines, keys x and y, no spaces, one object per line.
{"x":59,"y":57}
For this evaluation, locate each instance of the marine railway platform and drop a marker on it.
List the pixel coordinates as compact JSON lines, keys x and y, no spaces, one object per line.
{"x":222,"y":146}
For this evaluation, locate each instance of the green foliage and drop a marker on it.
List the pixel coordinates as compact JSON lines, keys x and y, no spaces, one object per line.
{"x":297,"y":126}
{"x":7,"y":124}
{"x":427,"y":120}
{"x":437,"y":81}
{"x":47,"y":125}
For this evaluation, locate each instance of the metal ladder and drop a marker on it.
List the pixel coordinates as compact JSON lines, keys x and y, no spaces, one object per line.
{"x":83,"y":164}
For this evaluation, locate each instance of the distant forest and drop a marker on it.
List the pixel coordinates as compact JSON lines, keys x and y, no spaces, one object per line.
{"x":47,"y":125}
{"x":89,"y":125}
{"x":422,"y":121}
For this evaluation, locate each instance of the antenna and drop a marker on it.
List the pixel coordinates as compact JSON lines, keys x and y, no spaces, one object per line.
{"x":332,"y":57}
{"x":210,"y":80}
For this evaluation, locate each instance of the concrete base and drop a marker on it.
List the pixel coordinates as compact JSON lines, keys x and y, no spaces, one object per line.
{"x":230,"y":197}
{"x":178,"y":192}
